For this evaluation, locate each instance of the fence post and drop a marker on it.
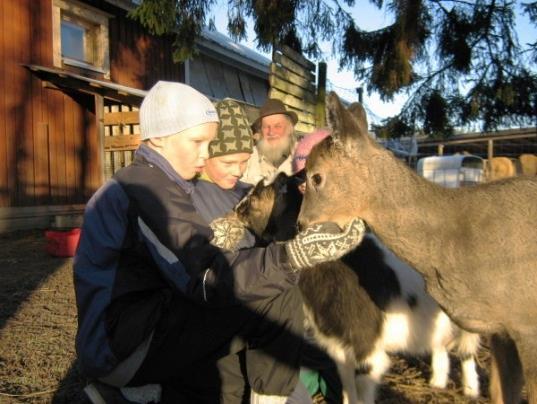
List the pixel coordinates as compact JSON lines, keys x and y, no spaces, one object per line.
{"x":320,"y":113}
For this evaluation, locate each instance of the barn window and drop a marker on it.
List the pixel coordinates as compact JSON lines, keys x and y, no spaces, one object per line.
{"x":80,"y":36}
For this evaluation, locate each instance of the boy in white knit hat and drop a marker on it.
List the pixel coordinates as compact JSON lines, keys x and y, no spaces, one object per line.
{"x":157,"y":302}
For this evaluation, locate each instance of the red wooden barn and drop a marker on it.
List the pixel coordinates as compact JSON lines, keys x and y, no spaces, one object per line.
{"x":72,"y":74}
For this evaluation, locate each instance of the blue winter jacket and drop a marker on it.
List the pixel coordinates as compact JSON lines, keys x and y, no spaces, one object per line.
{"x":143,"y":241}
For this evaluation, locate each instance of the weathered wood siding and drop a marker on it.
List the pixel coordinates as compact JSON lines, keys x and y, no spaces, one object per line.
{"x":49,"y":139}
{"x":292,"y":80}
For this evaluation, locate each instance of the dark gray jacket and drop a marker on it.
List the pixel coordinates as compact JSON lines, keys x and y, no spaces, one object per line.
{"x":213,"y":202}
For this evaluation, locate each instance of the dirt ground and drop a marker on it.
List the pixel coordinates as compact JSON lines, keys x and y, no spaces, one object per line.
{"x":38,"y":326}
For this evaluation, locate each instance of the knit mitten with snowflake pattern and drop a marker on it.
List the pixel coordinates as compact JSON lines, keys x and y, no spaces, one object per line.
{"x":228,"y":232}
{"x":324,"y":242}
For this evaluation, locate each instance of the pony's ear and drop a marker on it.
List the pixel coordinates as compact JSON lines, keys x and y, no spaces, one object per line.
{"x":347,"y":127}
{"x":334,"y":112}
{"x":358,"y":112}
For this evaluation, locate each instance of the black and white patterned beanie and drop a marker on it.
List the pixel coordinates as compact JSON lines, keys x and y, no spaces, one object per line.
{"x":234,"y":134}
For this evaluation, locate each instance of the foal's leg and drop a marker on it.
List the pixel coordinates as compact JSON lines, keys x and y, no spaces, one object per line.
{"x":442,"y":330}
{"x":378,"y":363}
{"x":506,"y":379}
{"x":440,"y":367}
{"x":345,"y":363}
{"x":470,"y":378}
{"x":467,"y":348}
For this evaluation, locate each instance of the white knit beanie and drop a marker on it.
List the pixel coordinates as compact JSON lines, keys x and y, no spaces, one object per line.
{"x":170,"y":108}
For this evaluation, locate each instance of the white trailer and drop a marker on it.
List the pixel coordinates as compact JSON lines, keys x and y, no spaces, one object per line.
{"x":457,"y":170}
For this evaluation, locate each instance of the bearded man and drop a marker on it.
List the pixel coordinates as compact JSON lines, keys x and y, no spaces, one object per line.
{"x":274,"y":150}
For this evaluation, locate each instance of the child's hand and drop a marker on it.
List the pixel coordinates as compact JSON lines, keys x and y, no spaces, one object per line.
{"x":324,"y":242}
{"x":228,"y":232}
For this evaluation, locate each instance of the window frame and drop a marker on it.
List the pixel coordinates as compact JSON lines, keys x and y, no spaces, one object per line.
{"x":86,"y":16}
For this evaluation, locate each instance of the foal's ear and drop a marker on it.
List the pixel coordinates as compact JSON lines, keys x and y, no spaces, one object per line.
{"x":280,"y":180}
{"x":347,"y":126}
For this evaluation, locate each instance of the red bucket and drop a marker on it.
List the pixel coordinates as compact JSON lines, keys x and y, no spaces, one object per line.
{"x":62,"y":243}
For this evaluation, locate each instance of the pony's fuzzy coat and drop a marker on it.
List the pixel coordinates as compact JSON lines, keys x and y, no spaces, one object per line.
{"x":474,"y":246}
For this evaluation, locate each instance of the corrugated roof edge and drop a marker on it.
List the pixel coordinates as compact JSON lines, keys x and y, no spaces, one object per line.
{"x":234,"y":49}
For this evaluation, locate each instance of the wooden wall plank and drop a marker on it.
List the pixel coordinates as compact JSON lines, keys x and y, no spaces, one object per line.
{"x":304,"y":128}
{"x":199,"y":77}
{"x":121,"y":118}
{"x":40,"y":49}
{"x":26,"y":180}
{"x":247,"y":89}
{"x":304,"y":116}
{"x":58,"y":155}
{"x":91,"y":135}
{"x":232,"y":83}
{"x":291,"y":100}
{"x":55,"y":111}
{"x":127,"y":130}
{"x":84,"y":150}
{"x":12,"y":98}
{"x":70,"y":134}
{"x":289,"y":88}
{"x":41,"y":166}
{"x":293,"y":67}
{"x":91,"y":160}
{"x":4,"y":194}
{"x":117,"y":158}
{"x":291,"y":77}
{"x":108,"y":160}
{"x":259,"y":89}
{"x":297,"y":57}
{"x":121,"y":143}
{"x":216,"y":77}
{"x":291,"y":80}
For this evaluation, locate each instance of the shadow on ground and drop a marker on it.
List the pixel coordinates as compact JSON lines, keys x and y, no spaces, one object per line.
{"x":38,"y":326}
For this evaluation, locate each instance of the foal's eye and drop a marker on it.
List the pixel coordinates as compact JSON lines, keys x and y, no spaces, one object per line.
{"x":316,"y":179}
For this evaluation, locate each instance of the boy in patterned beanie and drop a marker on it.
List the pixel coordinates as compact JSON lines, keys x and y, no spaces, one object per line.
{"x":230,"y":151}
{"x":217,"y":191}
{"x":218,"y":188}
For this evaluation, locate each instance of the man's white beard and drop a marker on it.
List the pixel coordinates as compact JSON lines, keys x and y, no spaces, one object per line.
{"x":276,"y":152}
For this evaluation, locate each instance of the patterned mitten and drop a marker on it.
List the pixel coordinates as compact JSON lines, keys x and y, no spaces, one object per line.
{"x":228,"y":232}
{"x":324,"y":242}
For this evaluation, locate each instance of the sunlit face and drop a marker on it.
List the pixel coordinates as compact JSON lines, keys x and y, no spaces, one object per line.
{"x":275,"y":128}
{"x":188,"y":150}
{"x":226,"y":170}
